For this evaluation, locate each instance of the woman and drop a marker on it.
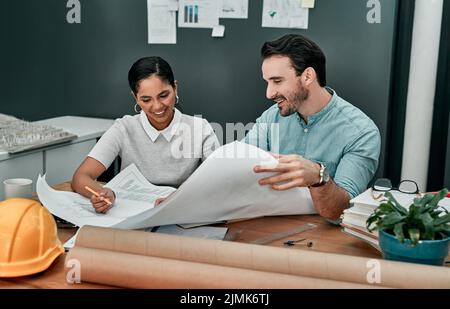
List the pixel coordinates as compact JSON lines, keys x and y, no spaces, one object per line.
{"x":165,"y":145}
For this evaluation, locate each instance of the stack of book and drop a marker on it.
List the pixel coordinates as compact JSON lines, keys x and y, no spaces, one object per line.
{"x":354,"y":218}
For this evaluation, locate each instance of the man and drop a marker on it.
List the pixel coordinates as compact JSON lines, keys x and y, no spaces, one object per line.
{"x":324,"y":142}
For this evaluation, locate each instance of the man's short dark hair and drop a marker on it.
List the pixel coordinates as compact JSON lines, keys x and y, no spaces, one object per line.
{"x":303,"y":53}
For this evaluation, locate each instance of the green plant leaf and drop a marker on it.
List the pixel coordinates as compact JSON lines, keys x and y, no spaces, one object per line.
{"x":398,"y":231}
{"x":392,"y":219}
{"x":439,"y":196}
{"x":424,"y":220}
{"x":414,"y":235}
{"x":414,"y":211}
{"x":399,"y":208}
{"x":436,"y":213}
{"x":441,"y":220}
{"x":385,"y":208}
{"x":427,"y":222}
{"x":442,"y":228}
{"x":372,"y":222}
{"x":422,"y":201}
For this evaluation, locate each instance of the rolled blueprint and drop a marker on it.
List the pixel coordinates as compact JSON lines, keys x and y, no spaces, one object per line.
{"x":303,"y":263}
{"x":140,"y":271}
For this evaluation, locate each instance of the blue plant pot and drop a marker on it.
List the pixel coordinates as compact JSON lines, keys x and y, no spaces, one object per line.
{"x":431,"y":252}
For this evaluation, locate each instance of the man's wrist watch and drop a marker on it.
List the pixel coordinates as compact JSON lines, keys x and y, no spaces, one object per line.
{"x":324,"y":176}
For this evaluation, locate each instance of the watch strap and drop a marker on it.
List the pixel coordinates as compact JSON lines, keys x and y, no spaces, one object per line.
{"x":321,"y":174}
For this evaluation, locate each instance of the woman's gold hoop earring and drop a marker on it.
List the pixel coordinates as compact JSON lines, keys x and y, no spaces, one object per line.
{"x":135,"y":108}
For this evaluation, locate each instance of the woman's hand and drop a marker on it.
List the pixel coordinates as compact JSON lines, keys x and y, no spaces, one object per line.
{"x":162,"y":199}
{"x":99,"y":202}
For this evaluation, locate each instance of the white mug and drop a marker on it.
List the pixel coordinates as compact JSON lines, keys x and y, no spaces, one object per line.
{"x":18,"y":187}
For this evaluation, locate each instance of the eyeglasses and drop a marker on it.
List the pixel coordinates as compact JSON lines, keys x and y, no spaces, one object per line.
{"x":384,"y":185}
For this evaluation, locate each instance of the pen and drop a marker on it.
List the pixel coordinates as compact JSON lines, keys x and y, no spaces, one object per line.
{"x":98,"y":195}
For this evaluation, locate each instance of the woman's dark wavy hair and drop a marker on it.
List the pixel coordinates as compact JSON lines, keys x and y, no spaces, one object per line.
{"x":146,"y":67}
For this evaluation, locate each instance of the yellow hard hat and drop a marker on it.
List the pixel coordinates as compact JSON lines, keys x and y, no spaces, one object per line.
{"x":28,"y":238}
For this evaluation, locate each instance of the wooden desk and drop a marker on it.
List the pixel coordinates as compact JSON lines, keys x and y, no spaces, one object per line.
{"x":326,"y":238}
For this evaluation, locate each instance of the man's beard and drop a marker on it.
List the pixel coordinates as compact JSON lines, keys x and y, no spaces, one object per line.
{"x":292,"y":105}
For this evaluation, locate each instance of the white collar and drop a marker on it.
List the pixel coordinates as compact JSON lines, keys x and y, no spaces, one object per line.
{"x":168,"y":132}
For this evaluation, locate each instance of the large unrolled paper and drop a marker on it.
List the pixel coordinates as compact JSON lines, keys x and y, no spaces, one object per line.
{"x":331,"y":268}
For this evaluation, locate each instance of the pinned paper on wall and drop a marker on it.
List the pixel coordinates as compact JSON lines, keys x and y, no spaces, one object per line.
{"x":173,"y":5}
{"x":198,"y":13}
{"x":284,"y":14}
{"x":308,"y":4}
{"x":162,"y":27}
{"x":234,"y":9}
{"x":218,"y":31}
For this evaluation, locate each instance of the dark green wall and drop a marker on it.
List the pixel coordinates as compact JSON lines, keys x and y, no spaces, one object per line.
{"x":51,"y":68}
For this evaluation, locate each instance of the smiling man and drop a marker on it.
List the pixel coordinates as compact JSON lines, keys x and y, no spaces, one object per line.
{"x":324,"y":142}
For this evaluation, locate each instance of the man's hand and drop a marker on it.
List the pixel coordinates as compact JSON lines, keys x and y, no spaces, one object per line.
{"x":293,"y":171}
{"x":99,"y":203}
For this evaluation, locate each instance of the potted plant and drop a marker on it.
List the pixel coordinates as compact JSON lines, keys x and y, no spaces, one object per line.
{"x":420,"y":234}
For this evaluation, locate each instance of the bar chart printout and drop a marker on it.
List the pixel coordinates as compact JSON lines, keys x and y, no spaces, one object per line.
{"x":199,"y":13}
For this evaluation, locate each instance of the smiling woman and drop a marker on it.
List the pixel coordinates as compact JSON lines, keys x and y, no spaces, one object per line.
{"x":152,"y":139}
{"x":155,"y":90}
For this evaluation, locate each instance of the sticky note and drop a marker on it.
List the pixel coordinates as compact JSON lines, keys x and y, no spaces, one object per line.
{"x":218,"y":31}
{"x":308,"y":4}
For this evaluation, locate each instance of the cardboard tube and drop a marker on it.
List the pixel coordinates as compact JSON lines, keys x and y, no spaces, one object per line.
{"x":269,"y":259}
{"x":137,"y":271}
{"x":426,"y":38}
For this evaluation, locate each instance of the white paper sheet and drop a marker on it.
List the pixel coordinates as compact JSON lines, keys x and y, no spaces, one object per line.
{"x":225,"y":187}
{"x":204,"y":232}
{"x":131,"y":186}
{"x":162,"y":27}
{"x":199,"y":13}
{"x":173,"y":5}
{"x":69,"y":244}
{"x":218,"y":31}
{"x":284,"y":14}
{"x":135,"y":195}
{"x":308,"y":4}
{"x":192,"y":225}
{"x":234,"y":9}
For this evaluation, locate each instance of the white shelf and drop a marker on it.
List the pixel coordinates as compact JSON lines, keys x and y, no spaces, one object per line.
{"x":85,"y":128}
{"x":59,"y":161}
